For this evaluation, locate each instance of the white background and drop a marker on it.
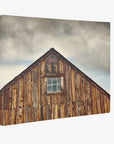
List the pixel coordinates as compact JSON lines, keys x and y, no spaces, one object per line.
{"x":95,"y":129}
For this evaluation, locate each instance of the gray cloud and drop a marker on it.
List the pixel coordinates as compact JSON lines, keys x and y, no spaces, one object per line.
{"x":86,"y":43}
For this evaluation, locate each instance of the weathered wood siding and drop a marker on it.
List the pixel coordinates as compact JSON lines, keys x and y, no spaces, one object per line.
{"x":26,"y":98}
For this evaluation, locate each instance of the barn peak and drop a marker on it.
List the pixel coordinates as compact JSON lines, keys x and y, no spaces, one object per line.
{"x":54,"y":59}
{"x":51,"y":49}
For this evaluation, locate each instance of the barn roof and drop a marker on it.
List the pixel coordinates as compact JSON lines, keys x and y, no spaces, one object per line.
{"x":43,"y":57}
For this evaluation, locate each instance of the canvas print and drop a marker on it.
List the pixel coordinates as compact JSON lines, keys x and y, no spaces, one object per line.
{"x":53,"y":68}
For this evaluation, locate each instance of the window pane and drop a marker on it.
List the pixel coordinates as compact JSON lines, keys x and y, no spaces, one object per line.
{"x":53,"y":85}
{"x":49,"y":81}
{"x":49,"y":88}
{"x":59,"y":88}
{"x":54,"y":88}
{"x":59,"y":80}
{"x":54,"y":81}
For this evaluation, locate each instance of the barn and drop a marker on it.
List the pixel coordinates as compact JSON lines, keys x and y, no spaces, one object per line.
{"x":51,"y":88}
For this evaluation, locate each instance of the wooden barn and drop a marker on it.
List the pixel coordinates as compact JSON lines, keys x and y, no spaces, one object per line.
{"x":51,"y":88}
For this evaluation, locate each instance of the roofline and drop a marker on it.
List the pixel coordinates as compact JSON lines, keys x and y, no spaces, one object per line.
{"x":82,"y":73}
{"x":28,"y":68}
{"x":38,"y":60}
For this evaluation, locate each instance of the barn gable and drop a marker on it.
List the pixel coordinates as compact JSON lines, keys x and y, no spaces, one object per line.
{"x":52,"y":57}
{"x":50,"y":88}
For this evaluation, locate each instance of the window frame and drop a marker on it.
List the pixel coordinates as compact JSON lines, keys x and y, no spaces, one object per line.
{"x":52,"y":84}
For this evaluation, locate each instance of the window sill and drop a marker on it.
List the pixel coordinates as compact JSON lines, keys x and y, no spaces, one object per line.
{"x":55,"y":93}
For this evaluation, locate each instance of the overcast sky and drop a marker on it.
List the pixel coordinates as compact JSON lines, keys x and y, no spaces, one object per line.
{"x":85,"y":44}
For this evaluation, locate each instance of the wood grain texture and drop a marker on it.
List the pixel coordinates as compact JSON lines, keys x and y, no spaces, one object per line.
{"x":27,"y":100}
{"x":0,"y":117}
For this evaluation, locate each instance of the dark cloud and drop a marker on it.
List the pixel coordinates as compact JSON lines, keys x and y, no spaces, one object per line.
{"x":86,"y":42}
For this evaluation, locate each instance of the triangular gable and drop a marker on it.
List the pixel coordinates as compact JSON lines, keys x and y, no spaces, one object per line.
{"x":49,"y":58}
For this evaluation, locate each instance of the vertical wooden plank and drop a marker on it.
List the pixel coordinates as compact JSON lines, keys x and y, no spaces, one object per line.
{"x":98,"y":101}
{"x":30,"y":95}
{"x":35,"y":114}
{"x":14,"y":96}
{"x":56,"y":111}
{"x":29,"y":89}
{"x":42,"y":91}
{"x":42,"y":68}
{"x":48,"y":115}
{"x":35,"y":94}
{"x":17,"y":102}
{"x":6,"y":117}
{"x":66,"y":88}
{"x":13,"y":116}
{"x":0,"y":108}
{"x":60,"y":69}
{"x":0,"y":101}
{"x":48,"y":103}
{"x":52,"y":107}
{"x":6,"y":107}
{"x":55,"y":106}
{"x":59,"y":106}
{"x":20,"y":106}
{"x":67,"y":82}
{"x":24,"y":100}
{"x":94,"y":104}
{"x":10,"y":98}
{"x":0,"y":117}
{"x":61,"y":65}
{"x":21,"y":115}
{"x":35,"y":88}
{"x":91,"y":98}
{"x":28,"y":114}
{"x":63,"y":110}
{"x":73,"y":94}
{"x":108,"y":104}
{"x":21,"y":97}
{"x":70,"y":91}
{"x":63,"y":106}
{"x":10,"y":103}
{"x":43,"y":99}
{"x":88,"y":98}
{"x":85,"y":97}
{"x":102,"y":102}
{"x":105,"y":103}
{"x":39,"y":94}
{"x":82,"y":95}
{"x":25,"y":97}
{"x":6,"y":99}
{"x":44,"y":112}
{"x":78,"y":95}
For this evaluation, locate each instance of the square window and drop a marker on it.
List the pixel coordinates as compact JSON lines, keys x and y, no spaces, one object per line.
{"x":53,"y":85}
